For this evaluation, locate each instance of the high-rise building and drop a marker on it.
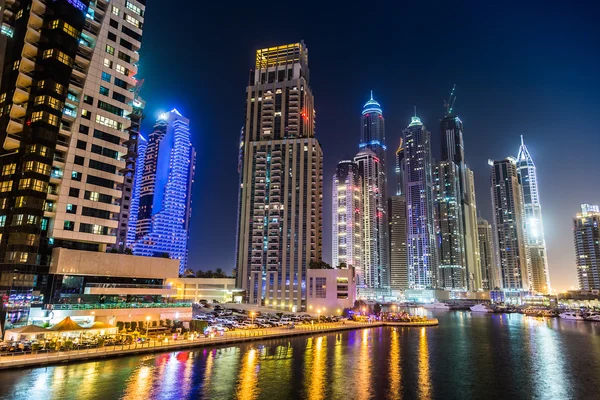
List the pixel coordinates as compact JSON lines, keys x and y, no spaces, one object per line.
{"x":66,"y":91}
{"x":486,"y":252}
{"x":165,"y":201}
{"x":453,"y":151}
{"x":509,"y":228}
{"x":142,"y":144}
{"x":540,"y":277}
{"x":131,"y":163}
{"x":397,"y":235}
{"x":399,"y":170}
{"x":347,"y":217}
{"x":452,"y":273}
{"x":471,"y":236}
{"x":280,"y":224}
{"x":586,"y":231}
{"x":371,"y":162}
{"x":421,"y":244}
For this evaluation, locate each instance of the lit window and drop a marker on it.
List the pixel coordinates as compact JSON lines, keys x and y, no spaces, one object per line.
{"x":3,"y":98}
{"x":19,"y":14}
{"x":9,"y":169}
{"x":108,"y":63}
{"x":108,"y":122}
{"x":59,"y":55}
{"x":65,"y":27}
{"x":104,"y":91}
{"x":122,"y":69}
{"x":16,"y":65}
{"x":134,"y":8}
{"x":110,"y":50}
{"x":5,"y":186}
{"x":45,"y":117}
{"x":132,"y":21}
{"x":38,"y":167}
{"x":105,"y":76}
{"x":115,"y":10}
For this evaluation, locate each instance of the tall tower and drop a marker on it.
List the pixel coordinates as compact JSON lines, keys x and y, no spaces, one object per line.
{"x":450,"y":227}
{"x":540,"y":277}
{"x":280,"y":229}
{"x":486,"y":252}
{"x":397,"y":234}
{"x":509,"y":227}
{"x":453,"y":151}
{"x":165,"y":203}
{"x":421,"y":245}
{"x":347,"y":217}
{"x":399,"y":170}
{"x":66,"y":92}
{"x":371,"y":162}
{"x":142,"y":144}
{"x":586,"y":231}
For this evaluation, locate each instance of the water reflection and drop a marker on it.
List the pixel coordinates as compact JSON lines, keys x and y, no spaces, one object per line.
{"x":247,"y":386}
{"x":363,"y":369}
{"x":425,"y":388}
{"x":395,"y":377}
{"x":139,"y":385}
{"x":315,"y":367}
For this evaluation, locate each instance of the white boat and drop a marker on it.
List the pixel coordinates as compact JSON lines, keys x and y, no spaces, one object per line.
{"x":572,"y":315}
{"x":592,"y":316}
{"x":436,"y":306}
{"x":481,"y":308}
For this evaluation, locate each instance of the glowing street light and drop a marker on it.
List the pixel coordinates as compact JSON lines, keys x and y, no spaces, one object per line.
{"x":252,"y":314}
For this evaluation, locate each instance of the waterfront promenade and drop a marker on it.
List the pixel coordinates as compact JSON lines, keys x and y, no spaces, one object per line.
{"x":150,"y":346}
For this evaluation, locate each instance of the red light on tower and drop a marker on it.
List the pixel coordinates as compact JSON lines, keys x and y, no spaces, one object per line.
{"x":376,"y":159}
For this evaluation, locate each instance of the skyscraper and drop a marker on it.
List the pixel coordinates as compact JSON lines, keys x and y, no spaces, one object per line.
{"x":449,"y":227}
{"x":540,"y":277}
{"x":142,"y":144}
{"x":346,"y":233}
{"x":486,"y":252}
{"x":509,"y":227}
{"x":397,"y":236}
{"x":586,"y":231}
{"x":280,"y":224}
{"x":67,"y":101}
{"x":400,"y":169}
{"x":371,"y":163}
{"x":453,"y":151}
{"x":421,"y":245}
{"x":165,"y":201}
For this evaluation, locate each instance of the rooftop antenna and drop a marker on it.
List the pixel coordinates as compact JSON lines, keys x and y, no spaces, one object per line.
{"x":371,"y":95}
{"x":449,"y":105}
{"x":415,"y":111}
{"x":522,"y":142}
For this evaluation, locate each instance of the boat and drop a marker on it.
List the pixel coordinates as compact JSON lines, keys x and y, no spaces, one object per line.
{"x":436,"y":306}
{"x":481,"y":308}
{"x":592,"y":316}
{"x":571,"y":315}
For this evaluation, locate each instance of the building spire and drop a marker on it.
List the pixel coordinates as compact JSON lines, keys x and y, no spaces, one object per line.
{"x":522,"y":142}
{"x":371,"y":94}
{"x":415,"y":111}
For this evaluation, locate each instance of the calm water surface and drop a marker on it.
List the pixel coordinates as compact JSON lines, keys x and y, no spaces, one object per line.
{"x":466,"y":357}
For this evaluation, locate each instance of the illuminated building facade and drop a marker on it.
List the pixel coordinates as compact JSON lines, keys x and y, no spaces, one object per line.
{"x":418,"y":180}
{"x":371,"y":163}
{"x":142,"y":144}
{"x":540,"y":277}
{"x":165,"y":199}
{"x":347,"y":217}
{"x":399,"y":170}
{"x":452,"y":274}
{"x":64,"y":127}
{"x":280,"y":222}
{"x":487,"y":255}
{"x":509,"y":228}
{"x":586,"y":231}
{"x":397,"y":236}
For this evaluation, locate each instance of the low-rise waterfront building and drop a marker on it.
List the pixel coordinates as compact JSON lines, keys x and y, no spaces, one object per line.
{"x":222,"y":290}
{"x":330,"y":290}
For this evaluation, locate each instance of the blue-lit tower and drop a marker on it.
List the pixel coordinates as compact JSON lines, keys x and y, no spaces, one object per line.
{"x":165,"y":193}
{"x":135,"y":192}
{"x":371,"y":162}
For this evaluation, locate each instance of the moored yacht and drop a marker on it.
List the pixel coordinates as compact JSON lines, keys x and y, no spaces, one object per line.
{"x":592,"y":316}
{"x":436,"y":305}
{"x":572,"y":315}
{"x":481,"y":308}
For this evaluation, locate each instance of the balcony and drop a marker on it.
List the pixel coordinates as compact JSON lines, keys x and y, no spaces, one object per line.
{"x":79,"y":71}
{"x":21,"y":94}
{"x":15,"y":125}
{"x":18,"y":110}
{"x":11,"y":142}
{"x":32,"y":36}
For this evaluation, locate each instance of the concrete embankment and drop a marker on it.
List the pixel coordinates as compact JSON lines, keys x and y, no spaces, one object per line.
{"x":41,"y":359}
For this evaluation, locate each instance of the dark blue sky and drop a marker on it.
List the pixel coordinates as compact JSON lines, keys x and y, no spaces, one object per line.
{"x":529,"y":70}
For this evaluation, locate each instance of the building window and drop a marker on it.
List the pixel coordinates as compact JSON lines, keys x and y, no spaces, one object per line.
{"x":86,"y":114}
{"x":114,"y":23}
{"x":110,"y":108}
{"x":79,"y":160}
{"x":104,"y":91}
{"x":9,"y":169}
{"x":59,"y":55}
{"x":88,"y":100}
{"x":110,"y":50}
{"x":5,"y":186}
{"x":76,"y":176}
{"x":133,"y":21}
{"x":108,"y":63}
{"x":119,"y":97}
{"x":120,"y":83}
{"x":44,"y":117}
{"x":112,"y":36}
{"x":69,"y":225}
{"x":73,"y":192}
{"x":84,"y":129}
{"x":134,"y":8}
{"x":115,"y":10}
{"x":111,"y":123}
{"x":71,"y":209}
{"x":122,"y":69}
{"x":37,"y":167}
{"x":106,"y":76}
{"x":320,"y":288}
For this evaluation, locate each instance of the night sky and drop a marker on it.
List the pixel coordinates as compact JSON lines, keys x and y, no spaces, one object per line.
{"x":520,"y":70}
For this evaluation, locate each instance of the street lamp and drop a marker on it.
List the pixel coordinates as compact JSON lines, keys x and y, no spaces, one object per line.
{"x":147,"y":324}
{"x":252,"y":315}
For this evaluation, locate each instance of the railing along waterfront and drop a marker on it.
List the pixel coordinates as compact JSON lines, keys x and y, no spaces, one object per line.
{"x":110,"y":306}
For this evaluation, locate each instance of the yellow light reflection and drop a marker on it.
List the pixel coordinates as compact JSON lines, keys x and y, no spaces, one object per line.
{"x":208,"y":372}
{"x":316,"y":388}
{"x":395,"y":391}
{"x":139,"y":385}
{"x":363,"y":370}
{"x":425,"y":388}
{"x":247,"y":387}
